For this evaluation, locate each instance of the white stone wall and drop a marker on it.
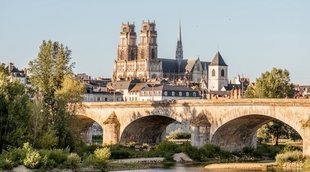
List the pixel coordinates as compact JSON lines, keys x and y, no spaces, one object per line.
{"x":217,"y":82}
{"x":102,"y":97}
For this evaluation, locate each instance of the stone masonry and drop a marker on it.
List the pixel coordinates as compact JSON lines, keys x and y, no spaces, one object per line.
{"x":230,"y":124}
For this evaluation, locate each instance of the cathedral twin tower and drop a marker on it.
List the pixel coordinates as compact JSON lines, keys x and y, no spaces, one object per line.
{"x":134,"y":61}
{"x":147,"y":48}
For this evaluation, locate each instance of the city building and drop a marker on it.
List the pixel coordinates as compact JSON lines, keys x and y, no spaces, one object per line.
{"x":141,"y":61}
{"x":167,"y":92}
{"x":16,"y":74}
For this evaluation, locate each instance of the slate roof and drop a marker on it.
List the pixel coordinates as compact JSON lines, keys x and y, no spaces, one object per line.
{"x":171,"y":65}
{"x":231,"y":86}
{"x":138,"y":87}
{"x":218,"y":60}
{"x":121,"y":85}
{"x":205,"y":65}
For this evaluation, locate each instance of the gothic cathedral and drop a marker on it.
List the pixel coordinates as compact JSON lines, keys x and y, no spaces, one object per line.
{"x":142,"y":62}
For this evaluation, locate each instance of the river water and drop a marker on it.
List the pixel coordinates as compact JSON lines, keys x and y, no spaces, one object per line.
{"x":182,"y":168}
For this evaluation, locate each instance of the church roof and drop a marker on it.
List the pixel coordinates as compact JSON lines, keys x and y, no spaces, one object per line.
{"x":205,"y":65}
{"x":169,"y":65}
{"x":190,"y":64}
{"x":218,"y":60}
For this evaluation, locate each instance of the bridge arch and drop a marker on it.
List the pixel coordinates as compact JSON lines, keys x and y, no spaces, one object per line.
{"x":83,"y":124}
{"x":238,"y":132}
{"x":146,"y":129}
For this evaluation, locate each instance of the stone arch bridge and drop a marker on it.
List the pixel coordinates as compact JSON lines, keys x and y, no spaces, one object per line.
{"x":230,"y":124}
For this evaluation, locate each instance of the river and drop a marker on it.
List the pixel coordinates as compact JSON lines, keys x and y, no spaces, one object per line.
{"x":182,"y":168}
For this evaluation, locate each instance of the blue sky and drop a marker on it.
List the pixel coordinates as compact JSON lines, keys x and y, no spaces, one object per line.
{"x":252,"y":36}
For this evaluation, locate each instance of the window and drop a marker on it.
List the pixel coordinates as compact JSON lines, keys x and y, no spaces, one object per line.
{"x":180,"y":94}
{"x":173,"y":93}
{"x":166,"y":93}
{"x":213,"y":72}
{"x":153,"y":54}
{"x":105,"y":99}
{"x":222,"y":72}
{"x":187,"y":94}
{"x":98,"y":99}
{"x":194,"y":94}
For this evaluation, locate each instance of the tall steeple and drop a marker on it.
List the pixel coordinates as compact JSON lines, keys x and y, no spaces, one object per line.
{"x":179,"y":50}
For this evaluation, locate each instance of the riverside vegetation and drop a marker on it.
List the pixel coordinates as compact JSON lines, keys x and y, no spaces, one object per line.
{"x":101,"y":158}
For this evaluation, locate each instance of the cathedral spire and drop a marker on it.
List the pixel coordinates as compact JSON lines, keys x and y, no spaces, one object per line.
{"x":180,"y":34}
{"x":179,"y":50}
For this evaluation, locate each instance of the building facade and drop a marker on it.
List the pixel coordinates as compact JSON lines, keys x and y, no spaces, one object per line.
{"x":141,"y":61}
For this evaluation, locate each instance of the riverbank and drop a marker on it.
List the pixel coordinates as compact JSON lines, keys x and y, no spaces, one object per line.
{"x":264,"y":166}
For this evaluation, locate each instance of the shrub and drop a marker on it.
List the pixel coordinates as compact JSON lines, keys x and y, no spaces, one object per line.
{"x":119,"y":153}
{"x":16,"y":155}
{"x":289,"y":148}
{"x":292,"y":156}
{"x":145,"y":146}
{"x":90,"y":160}
{"x":102,"y":154}
{"x":192,"y":152}
{"x":248,"y":150}
{"x":307,"y":164}
{"x":179,"y":135}
{"x":32,"y":159}
{"x":48,"y":163}
{"x":58,"y":155}
{"x":48,"y":140}
{"x":73,"y":160}
{"x":84,"y":150}
{"x":210,"y":151}
{"x":167,"y":146}
{"x":27,"y":147}
{"x":267,"y":150}
{"x":6,"y":164}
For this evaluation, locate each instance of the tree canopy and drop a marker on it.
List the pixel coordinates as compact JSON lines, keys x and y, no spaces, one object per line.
{"x":52,"y":78}
{"x":273,"y":84}
{"x":14,"y":111}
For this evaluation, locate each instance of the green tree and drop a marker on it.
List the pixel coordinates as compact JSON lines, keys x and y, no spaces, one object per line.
{"x":14,"y":111}
{"x":51,"y":75}
{"x":276,"y":129}
{"x":273,"y":84}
